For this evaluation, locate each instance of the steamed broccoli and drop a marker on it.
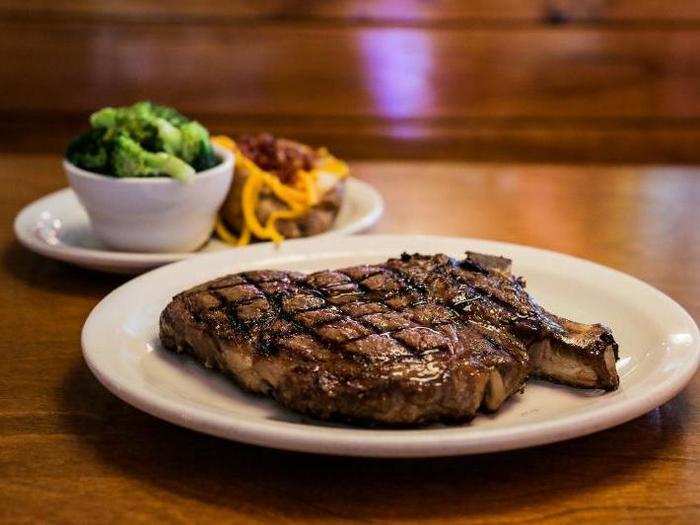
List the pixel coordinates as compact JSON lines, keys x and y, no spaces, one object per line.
{"x":138,"y":121}
{"x":89,"y":151}
{"x":196,"y":146}
{"x":131,"y":160}
{"x":153,"y":128}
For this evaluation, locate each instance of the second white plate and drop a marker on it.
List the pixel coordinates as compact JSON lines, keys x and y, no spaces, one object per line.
{"x":659,"y":349}
{"x":58,"y":227}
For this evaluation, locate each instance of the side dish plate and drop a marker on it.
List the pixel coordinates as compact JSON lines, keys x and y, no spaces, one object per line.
{"x":57,"y":226}
{"x":659,"y":351}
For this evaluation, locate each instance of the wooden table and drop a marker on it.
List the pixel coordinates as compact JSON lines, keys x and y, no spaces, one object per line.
{"x":70,"y":451}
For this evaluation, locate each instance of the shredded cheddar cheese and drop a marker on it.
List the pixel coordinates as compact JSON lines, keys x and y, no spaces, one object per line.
{"x":223,"y":232}
{"x":304,"y":192}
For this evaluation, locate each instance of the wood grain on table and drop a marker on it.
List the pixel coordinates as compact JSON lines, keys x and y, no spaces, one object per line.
{"x":528,"y":80}
{"x":71,"y":452}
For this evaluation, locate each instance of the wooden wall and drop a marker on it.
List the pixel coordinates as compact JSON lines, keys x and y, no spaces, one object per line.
{"x":533,"y":80}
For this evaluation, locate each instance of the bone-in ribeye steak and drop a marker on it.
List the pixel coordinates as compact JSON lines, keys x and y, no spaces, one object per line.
{"x":413,"y":340}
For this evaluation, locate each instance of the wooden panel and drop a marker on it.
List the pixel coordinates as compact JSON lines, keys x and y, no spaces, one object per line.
{"x":391,"y":73}
{"x":384,"y":11}
{"x":528,"y":93}
{"x":70,"y":451}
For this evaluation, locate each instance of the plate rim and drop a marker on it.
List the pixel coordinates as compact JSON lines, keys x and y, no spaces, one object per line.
{"x":92,"y":258}
{"x":304,"y":438}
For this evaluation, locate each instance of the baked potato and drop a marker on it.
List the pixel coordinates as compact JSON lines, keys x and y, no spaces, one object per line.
{"x":281,"y":189}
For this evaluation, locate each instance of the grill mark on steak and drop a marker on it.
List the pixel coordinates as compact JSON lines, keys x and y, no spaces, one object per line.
{"x":412,"y":340}
{"x":368,"y":288}
{"x":267,"y":346}
{"x":465,"y":293}
{"x":455,"y":307}
{"x":291,"y":313}
{"x":369,"y":285}
{"x":364,"y":295}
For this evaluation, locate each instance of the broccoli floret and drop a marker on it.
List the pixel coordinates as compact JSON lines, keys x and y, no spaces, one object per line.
{"x":196,"y":148}
{"x":143,"y":123}
{"x":105,"y":118}
{"x":135,"y":121}
{"x":131,"y":160}
{"x":169,"y":137}
{"x":90,"y":152}
{"x":154,"y":129}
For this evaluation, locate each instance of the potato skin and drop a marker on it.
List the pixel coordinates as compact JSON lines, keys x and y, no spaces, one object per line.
{"x":318,"y":220}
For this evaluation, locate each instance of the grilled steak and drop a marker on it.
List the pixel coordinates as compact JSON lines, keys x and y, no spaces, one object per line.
{"x":410,"y":341}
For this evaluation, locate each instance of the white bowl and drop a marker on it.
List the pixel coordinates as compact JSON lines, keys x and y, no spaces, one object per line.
{"x":157,"y":214}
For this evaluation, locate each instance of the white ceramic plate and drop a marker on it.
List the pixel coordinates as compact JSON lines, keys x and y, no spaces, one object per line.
{"x":659,"y":349}
{"x":58,"y":227}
